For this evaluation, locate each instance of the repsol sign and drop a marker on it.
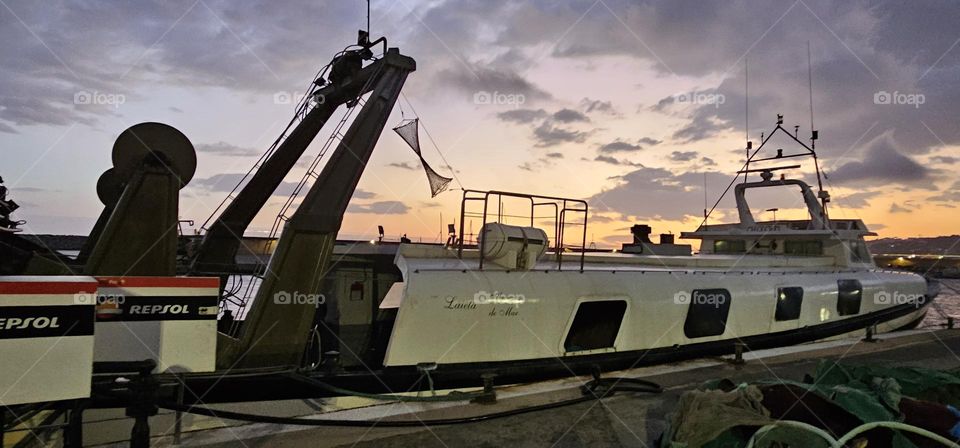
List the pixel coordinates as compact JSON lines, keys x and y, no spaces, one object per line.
{"x":17,"y":322}
{"x":136,"y":308}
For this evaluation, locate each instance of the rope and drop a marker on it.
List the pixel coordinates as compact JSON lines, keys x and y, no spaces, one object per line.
{"x":852,"y":433}
{"x":452,"y":396}
{"x":893,"y":425}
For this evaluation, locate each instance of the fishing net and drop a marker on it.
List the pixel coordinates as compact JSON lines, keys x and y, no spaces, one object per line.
{"x":408,"y":130}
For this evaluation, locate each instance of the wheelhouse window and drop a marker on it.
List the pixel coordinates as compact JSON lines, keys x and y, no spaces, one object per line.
{"x":729,"y":246}
{"x":707,"y":312}
{"x":595,"y":326}
{"x":859,"y":252}
{"x":809,"y":248}
{"x":789,"y":300}
{"x":849,"y":296}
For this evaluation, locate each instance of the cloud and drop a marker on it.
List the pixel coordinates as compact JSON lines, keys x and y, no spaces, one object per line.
{"x":605,"y":107}
{"x":227,"y":149}
{"x":648,"y":141}
{"x":549,"y":135}
{"x":882,"y":164}
{"x":950,"y":194}
{"x":856,"y":200}
{"x":380,"y":208}
{"x":684,"y":156}
{"x":691,"y":156}
{"x":554,"y":155}
{"x":115,"y":49}
{"x":619,"y":146}
{"x":702,"y":126}
{"x":596,"y":217}
{"x":615,"y":161}
{"x":656,"y":193}
{"x":894,"y":208}
{"x":522,"y":116}
{"x":404,"y":166}
{"x":946,"y":160}
{"x":224,"y":182}
{"x":363,"y":194}
{"x":490,"y":80}
{"x":569,"y":116}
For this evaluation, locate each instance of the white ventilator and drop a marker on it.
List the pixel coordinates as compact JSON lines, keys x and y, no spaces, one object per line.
{"x":513,"y":247}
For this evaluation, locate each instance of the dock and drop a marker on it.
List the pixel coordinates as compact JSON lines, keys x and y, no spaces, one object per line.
{"x":621,"y":420}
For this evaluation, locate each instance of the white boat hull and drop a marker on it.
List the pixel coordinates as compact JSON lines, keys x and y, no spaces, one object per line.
{"x":444,"y":319}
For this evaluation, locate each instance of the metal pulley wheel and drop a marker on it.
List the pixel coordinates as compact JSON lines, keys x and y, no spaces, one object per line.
{"x":173,"y":150}
{"x":109,"y":187}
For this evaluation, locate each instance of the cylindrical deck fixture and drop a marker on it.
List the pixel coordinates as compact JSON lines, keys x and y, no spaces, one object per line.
{"x":738,"y":349}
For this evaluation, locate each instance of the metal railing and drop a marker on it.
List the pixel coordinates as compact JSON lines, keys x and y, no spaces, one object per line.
{"x":561,"y":208}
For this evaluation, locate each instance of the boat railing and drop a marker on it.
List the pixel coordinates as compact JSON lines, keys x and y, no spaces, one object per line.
{"x":561,"y":208}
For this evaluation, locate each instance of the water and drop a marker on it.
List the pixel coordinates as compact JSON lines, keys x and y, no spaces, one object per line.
{"x":946,"y":304}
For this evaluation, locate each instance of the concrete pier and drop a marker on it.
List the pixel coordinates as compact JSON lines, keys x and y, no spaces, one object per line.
{"x":626,"y":419}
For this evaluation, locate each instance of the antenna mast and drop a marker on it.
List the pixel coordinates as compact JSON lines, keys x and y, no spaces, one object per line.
{"x":823,"y":195}
{"x":813,"y":139}
{"x":746,"y":110}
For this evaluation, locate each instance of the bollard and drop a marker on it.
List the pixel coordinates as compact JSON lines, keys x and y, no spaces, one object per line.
{"x":950,"y":323}
{"x":738,"y":349}
{"x":871,"y":331}
{"x":489,"y":395}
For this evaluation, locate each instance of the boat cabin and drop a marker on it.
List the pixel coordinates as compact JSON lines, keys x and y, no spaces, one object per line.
{"x":819,"y":236}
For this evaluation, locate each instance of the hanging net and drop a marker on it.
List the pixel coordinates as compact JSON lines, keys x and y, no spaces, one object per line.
{"x":408,"y":130}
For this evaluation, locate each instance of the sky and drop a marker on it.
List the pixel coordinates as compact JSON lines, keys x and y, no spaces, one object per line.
{"x":638,"y":107}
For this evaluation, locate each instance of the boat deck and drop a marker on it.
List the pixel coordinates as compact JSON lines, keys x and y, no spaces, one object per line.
{"x":438,"y":258}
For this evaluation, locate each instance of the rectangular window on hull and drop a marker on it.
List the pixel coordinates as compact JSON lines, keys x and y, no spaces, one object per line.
{"x":729,"y":246}
{"x":707,"y":312}
{"x":595,"y":326}
{"x":789,"y":300}
{"x":849,"y":296}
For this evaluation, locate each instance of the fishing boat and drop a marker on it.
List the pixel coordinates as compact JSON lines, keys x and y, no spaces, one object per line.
{"x":526,"y":299}
{"x":524,"y":304}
